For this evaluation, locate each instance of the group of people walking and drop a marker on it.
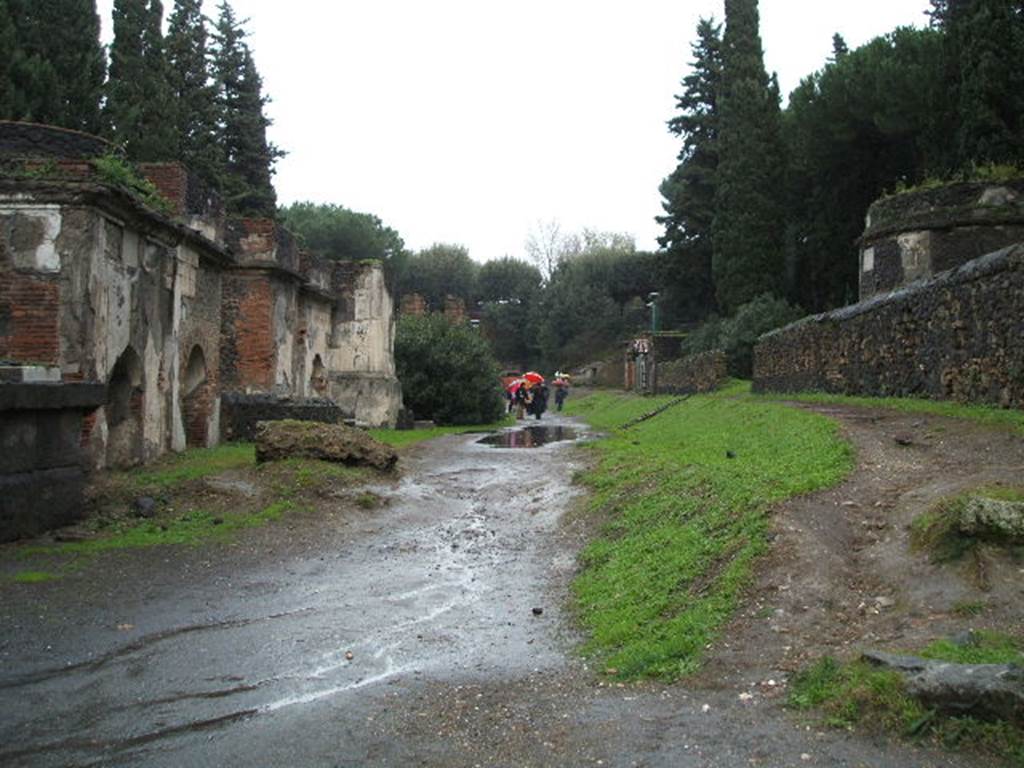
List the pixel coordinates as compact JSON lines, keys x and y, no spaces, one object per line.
{"x":529,"y":394}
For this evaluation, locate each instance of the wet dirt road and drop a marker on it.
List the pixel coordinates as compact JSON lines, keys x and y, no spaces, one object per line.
{"x":407,"y":636}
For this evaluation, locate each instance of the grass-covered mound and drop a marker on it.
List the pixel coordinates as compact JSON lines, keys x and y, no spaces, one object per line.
{"x":687,"y":495}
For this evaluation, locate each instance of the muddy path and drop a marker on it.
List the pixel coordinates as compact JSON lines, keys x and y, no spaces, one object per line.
{"x":406,"y":635}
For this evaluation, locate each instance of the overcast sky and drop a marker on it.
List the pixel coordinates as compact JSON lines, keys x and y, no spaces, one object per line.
{"x":466,"y":121}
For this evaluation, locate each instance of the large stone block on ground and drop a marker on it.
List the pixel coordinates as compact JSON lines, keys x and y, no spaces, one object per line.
{"x":984,"y":691}
{"x":993,"y":518}
{"x":276,"y":440}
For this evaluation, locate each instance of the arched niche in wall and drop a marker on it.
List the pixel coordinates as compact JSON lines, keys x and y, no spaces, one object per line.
{"x":318,"y":379}
{"x":196,"y":399}
{"x":124,"y":409}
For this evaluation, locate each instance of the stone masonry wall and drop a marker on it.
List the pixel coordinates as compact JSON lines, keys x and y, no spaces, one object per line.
{"x":704,"y":372}
{"x":955,"y":336}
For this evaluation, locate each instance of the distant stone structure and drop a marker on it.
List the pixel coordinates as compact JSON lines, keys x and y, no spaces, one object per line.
{"x":916,"y":235}
{"x":950,"y":334}
{"x":653,"y":365}
{"x":163,"y":312}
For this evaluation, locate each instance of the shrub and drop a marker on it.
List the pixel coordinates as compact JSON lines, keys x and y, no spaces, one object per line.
{"x":447,"y":371}
{"x":737,"y":335}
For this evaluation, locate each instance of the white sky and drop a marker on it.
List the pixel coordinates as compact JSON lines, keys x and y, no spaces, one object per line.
{"x":467,"y":121}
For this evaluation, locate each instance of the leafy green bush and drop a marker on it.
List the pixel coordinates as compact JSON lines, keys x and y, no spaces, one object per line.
{"x":738,"y":334}
{"x":114,"y":171}
{"x":447,"y":371}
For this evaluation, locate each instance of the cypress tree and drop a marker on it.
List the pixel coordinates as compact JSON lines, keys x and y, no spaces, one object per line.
{"x":249,"y":158}
{"x":71,"y":42}
{"x":748,"y":225}
{"x":689,"y":192}
{"x":139,"y":110}
{"x":8,"y":41}
{"x":31,"y":88}
{"x":195,"y":97}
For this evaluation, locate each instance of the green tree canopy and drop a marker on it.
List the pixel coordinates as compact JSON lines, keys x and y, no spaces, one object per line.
{"x":690,"y":190}
{"x":447,"y":371}
{"x":248,"y":157}
{"x":509,"y":292}
{"x":139,"y":108}
{"x":748,"y":223}
{"x":196,"y":110}
{"x":440,"y":271}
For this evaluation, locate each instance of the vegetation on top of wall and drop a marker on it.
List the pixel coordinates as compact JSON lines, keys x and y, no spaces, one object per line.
{"x":115,"y":171}
{"x":995,"y":173}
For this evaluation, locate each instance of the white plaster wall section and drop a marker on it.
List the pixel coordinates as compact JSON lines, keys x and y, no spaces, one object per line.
{"x":154,"y":414}
{"x":173,"y":352}
{"x":213,"y":426}
{"x":48,"y":218}
{"x":868,"y":260}
{"x":284,"y":339}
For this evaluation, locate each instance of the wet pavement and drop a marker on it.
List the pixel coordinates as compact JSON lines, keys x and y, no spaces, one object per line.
{"x":430,"y":632}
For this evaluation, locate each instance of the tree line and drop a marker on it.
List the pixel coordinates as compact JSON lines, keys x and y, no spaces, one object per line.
{"x":766,"y":200}
{"x":193,"y":94}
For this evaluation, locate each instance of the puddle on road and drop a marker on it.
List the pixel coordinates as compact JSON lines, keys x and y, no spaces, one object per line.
{"x":529,"y":437}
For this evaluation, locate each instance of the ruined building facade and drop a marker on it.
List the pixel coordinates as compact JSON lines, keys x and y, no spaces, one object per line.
{"x":123,"y":327}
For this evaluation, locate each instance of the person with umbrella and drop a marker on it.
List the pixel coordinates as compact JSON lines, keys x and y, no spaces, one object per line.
{"x":538,"y":393}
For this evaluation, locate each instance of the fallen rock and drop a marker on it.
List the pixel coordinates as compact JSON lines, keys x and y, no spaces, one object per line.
{"x":904,"y":438}
{"x":984,"y":691}
{"x":144,"y":506}
{"x":276,"y":440}
{"x":994,"y":518}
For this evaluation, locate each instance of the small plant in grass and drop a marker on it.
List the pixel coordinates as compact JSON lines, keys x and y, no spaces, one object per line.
{"x":367,"y":500}
{"x":34,"y":577}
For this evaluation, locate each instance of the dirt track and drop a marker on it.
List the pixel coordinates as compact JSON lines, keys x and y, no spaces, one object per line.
{"x":238,"y":655}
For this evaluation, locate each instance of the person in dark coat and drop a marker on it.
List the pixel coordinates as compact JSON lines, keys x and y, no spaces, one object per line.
{"x":540,"y":400}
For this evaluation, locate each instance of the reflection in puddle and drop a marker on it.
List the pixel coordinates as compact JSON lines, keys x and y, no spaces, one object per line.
{"x":529,"y":437}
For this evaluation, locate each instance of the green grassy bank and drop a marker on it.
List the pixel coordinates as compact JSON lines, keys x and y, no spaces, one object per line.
{"x":685,"y":499}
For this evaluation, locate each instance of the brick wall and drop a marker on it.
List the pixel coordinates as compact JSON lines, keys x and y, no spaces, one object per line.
{"x":248,"y":353}
{"x":29,"y":317}
{"x":955,"y":336}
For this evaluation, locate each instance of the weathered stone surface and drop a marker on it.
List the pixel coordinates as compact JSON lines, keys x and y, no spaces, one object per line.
{"x":704,"y":372}
{"x":955,"y":336}
{"x":984,"y":691}
{"x":240,"y":414}
{"x":993,"y":517}
{"x":277,"y":440}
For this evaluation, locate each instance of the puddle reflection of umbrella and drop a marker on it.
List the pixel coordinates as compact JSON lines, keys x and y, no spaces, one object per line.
{"x":533,"y":377}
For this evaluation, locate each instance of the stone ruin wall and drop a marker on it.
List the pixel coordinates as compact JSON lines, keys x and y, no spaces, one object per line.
{"x":916,"y":235}
{"x":955,"y":336}
{"x":693,"y":374}
{"x":161,"y":316}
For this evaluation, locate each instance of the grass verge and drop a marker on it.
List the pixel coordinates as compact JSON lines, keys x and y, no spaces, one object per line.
{"x":982,"y":414}
{"x":856,"y":694}
{"x":686,"y":497}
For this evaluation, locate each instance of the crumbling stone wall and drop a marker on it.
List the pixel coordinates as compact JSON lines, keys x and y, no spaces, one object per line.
{"x":915,"y":235}
{"x":956,"y":336}
{"x":703,"y":372}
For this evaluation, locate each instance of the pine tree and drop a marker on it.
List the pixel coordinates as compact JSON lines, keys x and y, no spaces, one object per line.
{"x":839,"y":47}
{"x":249,"y":158}
{"x":748,"y":225}
{"x":139,"y":110}
{"x":689,"y":192}
{"x":194,"y":94}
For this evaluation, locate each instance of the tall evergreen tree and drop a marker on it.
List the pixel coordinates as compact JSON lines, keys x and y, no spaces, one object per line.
{"x":8,"y":42}
{"x":139,"y":109}
{"x":195,"y":96}
{"x":31,"y":88}
{"x":748,"y":225}
{"x":72,"y":46}
{"x":689,"y":192}
{"x":249,"y":158}
{"x":985,"y":64}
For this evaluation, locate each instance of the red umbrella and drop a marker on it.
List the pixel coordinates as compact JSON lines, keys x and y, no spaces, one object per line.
{"x":533,"y":377}
{"x":515,"y":385}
